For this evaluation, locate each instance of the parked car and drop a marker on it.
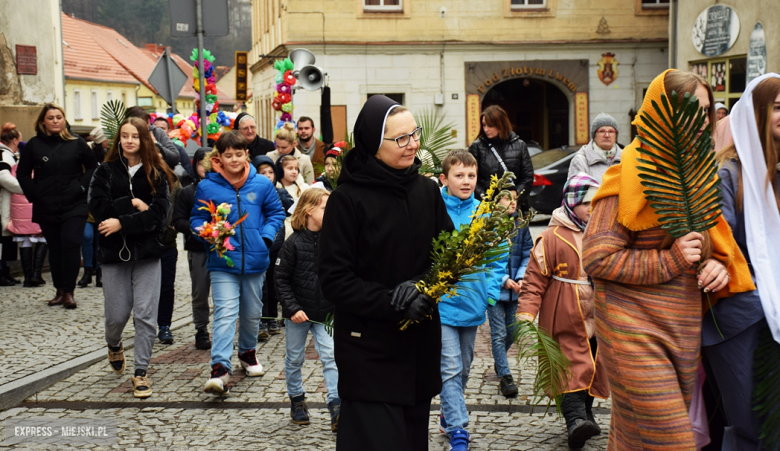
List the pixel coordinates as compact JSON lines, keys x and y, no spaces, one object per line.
{"x":551,"y":169}
{"x":533,"y":147}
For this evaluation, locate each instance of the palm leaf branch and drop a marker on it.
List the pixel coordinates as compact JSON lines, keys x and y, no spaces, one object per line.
{"x":112,"y":115}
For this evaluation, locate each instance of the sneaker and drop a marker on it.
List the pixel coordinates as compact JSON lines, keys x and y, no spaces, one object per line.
{"x":142,"y":388}
{"x":299,"y":412}
{"x":202,"y":340}
{"x":116,"y":359}
{"x":508,"y":387}
{"x":580,"y":432}
{"x":459,"y":440}
{"x":262,"y":333}
{"x":218,"y":384}
{"x":250,"y":364}
{"x":334,"y":407}
{"x":442,"y":424}
{"x":274,"y":329}
{"x":165,"y":336}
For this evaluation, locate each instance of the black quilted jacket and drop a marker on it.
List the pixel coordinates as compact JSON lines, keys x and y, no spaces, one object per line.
{"x":297,"y":285}
{"x":515,"y":155}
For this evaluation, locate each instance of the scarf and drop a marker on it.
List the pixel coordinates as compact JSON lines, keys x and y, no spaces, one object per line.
{"x":574,"y":192}
{"x":762,"y":220}
{"x":636,"y":214}
{"x":308,"y":151}
{"x":607,"y":154}
{"x":217,"y":167}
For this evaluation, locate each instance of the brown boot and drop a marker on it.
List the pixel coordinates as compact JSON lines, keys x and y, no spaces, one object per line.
{"x":59,"y":298}
{"x":68,"y":301}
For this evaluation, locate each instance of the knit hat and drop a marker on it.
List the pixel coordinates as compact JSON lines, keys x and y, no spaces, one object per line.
{"x":603,"y":120}
{"x":719,"y":105}
{"x":97,"y":135}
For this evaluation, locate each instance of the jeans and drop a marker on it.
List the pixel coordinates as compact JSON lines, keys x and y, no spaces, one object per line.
{"x":295,"y":337}
{"x":501,"y":316}
{"x":236,"y":296}
{"x":89,"y":246}
{"x":64,"y":240}
{"x":457,"y":352}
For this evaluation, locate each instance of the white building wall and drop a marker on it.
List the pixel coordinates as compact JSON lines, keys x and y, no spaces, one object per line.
{"x":416,"y":71}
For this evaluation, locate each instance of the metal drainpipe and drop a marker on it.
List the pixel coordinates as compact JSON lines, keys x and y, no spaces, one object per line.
{"x":673,"y":34}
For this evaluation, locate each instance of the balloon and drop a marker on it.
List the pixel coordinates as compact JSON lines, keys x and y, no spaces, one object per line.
{"x":289,"y":78}
{"x":285,"y":98}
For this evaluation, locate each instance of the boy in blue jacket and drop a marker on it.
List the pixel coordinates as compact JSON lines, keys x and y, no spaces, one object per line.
{"x":462,"y":314}
{"x":502,"y":315}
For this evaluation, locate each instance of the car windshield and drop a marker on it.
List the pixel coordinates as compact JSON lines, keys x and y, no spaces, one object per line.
{"x":549,"y":157}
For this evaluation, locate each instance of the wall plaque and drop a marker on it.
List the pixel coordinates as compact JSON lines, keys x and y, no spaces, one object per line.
{"x":715,"y":31}
{"x":26,"y":60}
{"x":473,"y":121}
{"x":581,"y":130}
{"x":756,"y":59}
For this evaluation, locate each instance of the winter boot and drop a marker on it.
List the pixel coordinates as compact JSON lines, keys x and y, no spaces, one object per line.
{"x":67,"y":301}
{"x":6,"y":274}
{"x":589,"y":412}
{"x":579,"y":428}
{"x":40,"y":256}
{"x":26,"y":256}
{"x":298,"y":409}
{"x":334,"y":407}
{"x":86,"y":279}
{"x":202,"y":340}
{"x":59,"y":298}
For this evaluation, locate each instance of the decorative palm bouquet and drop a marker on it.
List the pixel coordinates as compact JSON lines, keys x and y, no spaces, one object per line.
{"x":459,"y":254}
{"x":218,"y":232}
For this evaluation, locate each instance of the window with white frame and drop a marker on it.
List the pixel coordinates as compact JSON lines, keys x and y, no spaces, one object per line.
{"x":383,"y":5}
{"x":124,"y":99}
{"x":109,"y":96}
{"x":77,"y":104}
{"x":95,"y":112}
{"x":528,"y":4}
{"x":655,"y":4}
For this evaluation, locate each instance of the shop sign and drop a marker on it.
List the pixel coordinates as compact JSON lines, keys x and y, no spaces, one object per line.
{"x":715,"y":31}
{"x":608,"y":70}
{"x":241,"y":76}
{"x":525,"y":71}
{"x":581,"y":118}
{"x":756,"y":58}
{"x":473,"y":112}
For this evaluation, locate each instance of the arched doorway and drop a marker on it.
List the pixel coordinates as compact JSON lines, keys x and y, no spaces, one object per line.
{"x":538,"y":110}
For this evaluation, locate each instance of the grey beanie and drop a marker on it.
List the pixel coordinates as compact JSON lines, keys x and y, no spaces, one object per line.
{"x":603,"y":119}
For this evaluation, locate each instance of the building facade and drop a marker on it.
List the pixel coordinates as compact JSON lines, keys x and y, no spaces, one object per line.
{"x":31,"y":63}
{"x":728,"y":42}
{"x":552,"y":64}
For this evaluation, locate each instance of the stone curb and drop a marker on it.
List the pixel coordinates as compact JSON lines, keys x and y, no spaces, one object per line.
{"x":13,"y":393}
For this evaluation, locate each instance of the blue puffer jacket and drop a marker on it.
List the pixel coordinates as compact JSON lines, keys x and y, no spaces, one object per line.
{"x":468,"y":307}
{"x":522,"y":244}
{"x":265,"y":216}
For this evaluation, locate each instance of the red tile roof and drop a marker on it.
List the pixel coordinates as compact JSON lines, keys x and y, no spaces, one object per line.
{"x":85,"y":59}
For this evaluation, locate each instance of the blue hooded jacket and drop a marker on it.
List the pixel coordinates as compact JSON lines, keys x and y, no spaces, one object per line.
{"x":522,"y":244}
{"x":469,"y":306}
{"x":258,"y":198}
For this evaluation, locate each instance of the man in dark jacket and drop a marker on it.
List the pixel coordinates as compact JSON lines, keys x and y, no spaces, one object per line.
{"x":168,"y":149}
{"x":196,"y":253}
{"x":245,"y":124}
{"x":376,"y":240}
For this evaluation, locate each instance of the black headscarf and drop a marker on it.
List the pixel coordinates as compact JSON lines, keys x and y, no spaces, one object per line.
{"x":238,"y":119}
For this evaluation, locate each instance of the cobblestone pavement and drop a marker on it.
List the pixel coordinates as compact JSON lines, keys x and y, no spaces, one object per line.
{"x":255,"y":415}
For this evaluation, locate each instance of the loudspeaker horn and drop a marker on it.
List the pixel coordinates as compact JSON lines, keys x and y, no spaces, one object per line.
{"x":311,"y":78}
{"x":301,"y":58}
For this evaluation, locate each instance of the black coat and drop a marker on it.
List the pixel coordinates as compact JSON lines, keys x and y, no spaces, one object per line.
{"x":141,"y":236}
{"x":62,"y":173}
{"x":295,"y":277}
{"x":260,"y":146}
{"x":377,"y":232}
{"x":516,"y":158}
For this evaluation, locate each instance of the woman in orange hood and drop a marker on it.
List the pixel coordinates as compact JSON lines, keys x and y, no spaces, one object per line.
{"x":649,"y":293}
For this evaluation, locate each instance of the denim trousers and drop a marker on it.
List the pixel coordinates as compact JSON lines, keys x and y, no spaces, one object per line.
{"x":501,"y":316}
{"x":457,"y":352}
{"x":295,"y":340}
{"x":236,"y":297}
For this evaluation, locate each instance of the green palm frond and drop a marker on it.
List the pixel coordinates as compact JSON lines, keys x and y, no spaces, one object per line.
{"x":766,"y":391}
{"x":436,"y":139}
{"x":679,"y":173}
{"x":553,"y":367}
{"x":112,"y":115}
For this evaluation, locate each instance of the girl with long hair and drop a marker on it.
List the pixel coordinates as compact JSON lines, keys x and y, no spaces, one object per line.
{"x":286,"y":142}
{"x":63,"y":166}
{"x":129,"y":198}
{"x":649,"y":292}
{"x":751,"y":206}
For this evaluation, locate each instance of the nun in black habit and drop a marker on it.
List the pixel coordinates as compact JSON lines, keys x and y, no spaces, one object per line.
{"x":245,"y":124}
{"x":375,"y":243}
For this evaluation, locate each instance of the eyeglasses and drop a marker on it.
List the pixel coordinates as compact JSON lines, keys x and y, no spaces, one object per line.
{"x":607,"y":132}
{"x":404,"y":140}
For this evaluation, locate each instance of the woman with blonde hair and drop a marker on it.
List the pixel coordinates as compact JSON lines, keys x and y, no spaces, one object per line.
{"x":286,"y":142}
{"x":751,"y":206}
{"x":63,"y":166}
{"x":648,"y":291}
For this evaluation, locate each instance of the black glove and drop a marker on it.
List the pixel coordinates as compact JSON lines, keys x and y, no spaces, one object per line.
{"x":420,"y":307}
{"x":403,"y":294}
